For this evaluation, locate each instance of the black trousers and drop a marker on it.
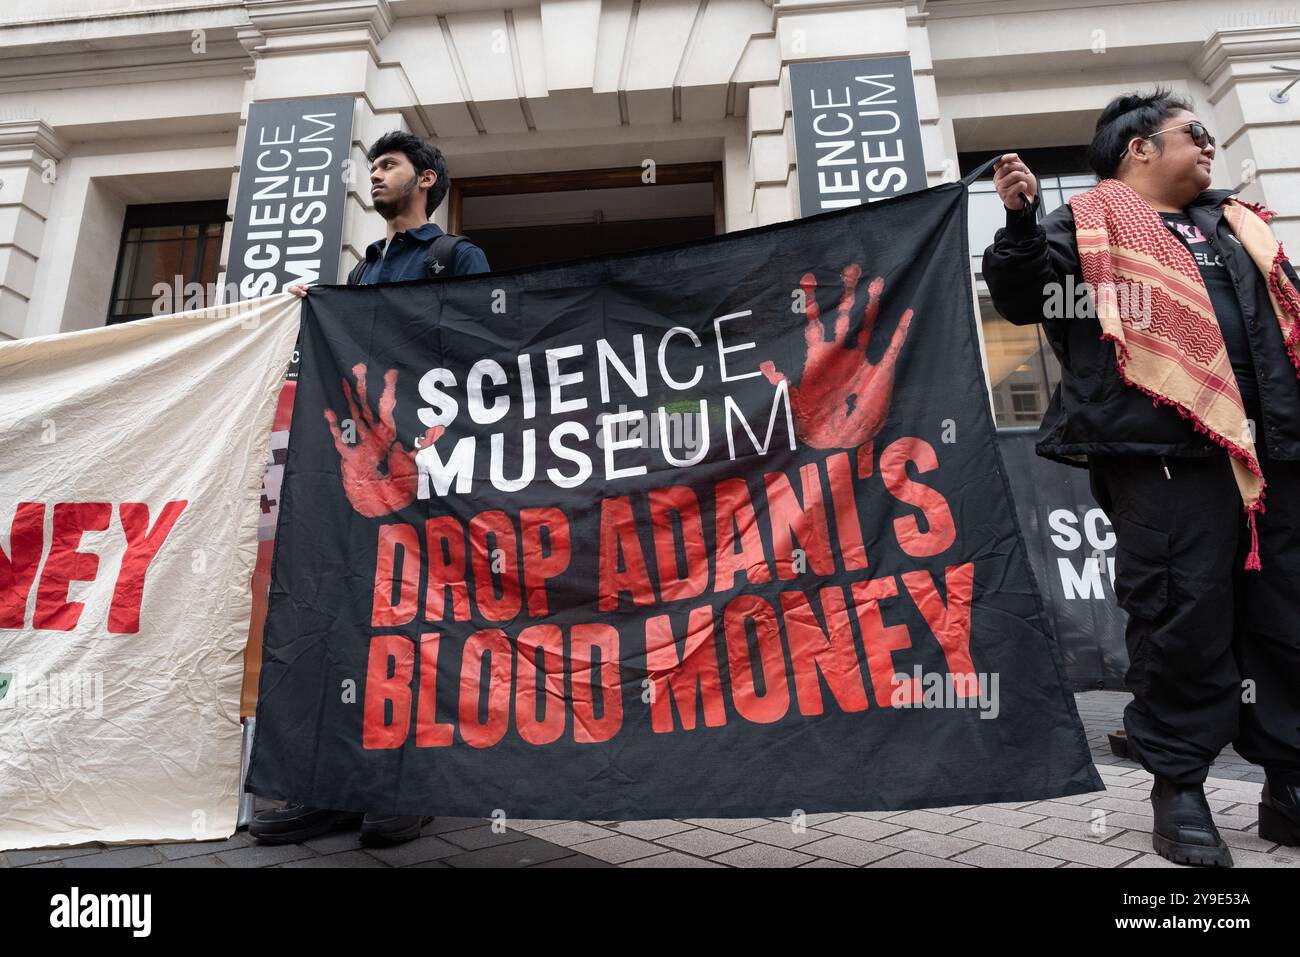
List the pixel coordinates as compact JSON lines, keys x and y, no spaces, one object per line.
{"x":1214,"y":650}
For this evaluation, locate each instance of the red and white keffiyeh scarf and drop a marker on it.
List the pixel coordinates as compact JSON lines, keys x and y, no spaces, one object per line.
{"x":1172,"y":347}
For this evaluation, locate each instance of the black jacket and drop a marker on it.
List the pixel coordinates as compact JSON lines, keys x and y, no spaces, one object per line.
{"x":1092,"y":411}
{"x":425,"y":252}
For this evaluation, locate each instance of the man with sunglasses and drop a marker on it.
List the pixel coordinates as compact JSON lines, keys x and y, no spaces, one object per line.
{"x":1180,"y":394}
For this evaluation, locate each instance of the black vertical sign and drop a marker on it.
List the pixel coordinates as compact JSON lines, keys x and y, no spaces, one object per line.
{"x":856,"y":131}
{"x":288,"y":224}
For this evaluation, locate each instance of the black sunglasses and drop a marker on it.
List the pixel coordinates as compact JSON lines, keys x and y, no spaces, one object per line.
{"x":1200,"y":135}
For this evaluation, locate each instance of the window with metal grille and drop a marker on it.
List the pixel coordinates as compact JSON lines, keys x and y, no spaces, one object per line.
{"x":166,"y":244}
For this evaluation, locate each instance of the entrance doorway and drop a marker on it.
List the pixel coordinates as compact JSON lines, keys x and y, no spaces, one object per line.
{"x":532,"y":218}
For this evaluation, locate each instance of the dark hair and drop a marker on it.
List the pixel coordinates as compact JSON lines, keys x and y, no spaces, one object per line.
{"x":423,"y":155}
{"x":1127,"y":116}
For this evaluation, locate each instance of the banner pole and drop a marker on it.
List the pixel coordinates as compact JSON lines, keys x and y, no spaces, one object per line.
{"x":245,"y":816}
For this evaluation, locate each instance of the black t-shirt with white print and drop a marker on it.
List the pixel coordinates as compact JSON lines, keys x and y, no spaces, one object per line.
{"x":1227,"y":307}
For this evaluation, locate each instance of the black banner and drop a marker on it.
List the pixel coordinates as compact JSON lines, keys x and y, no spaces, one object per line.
{"x":719,"y":529}
{"x":1072,"y":549}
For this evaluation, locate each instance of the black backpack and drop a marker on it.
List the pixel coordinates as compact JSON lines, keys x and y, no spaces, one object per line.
{"x":437,"y":262}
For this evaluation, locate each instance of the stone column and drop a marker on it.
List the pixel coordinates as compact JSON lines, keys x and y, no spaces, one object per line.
{"x":310,"y":48}
{"x":1257,"y":142}
{"x":29,"y":155}
{"x":825,"y":30}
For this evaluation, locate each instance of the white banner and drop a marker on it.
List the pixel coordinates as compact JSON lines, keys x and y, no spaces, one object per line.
{"x":131,"y":461}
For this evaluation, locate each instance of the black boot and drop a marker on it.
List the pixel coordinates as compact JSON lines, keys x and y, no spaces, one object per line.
{"x":1279,"y":807}
{"x":388,"y":829}
{"x":1184,"y":828}
{"x":295,"y":823}
{"x":1119,"y":744}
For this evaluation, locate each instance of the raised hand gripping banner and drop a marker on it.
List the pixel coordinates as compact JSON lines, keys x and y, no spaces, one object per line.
{"x":718,"y":529}
{"x":129,"y":488}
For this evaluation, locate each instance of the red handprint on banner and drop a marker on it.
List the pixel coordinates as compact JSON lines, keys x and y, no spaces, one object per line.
{"x":842,"y":399}
{"x":379,"y":475}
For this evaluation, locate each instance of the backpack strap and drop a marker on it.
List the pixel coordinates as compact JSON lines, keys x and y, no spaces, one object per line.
{"x":440,"y":261}
{"x":354,"y":276}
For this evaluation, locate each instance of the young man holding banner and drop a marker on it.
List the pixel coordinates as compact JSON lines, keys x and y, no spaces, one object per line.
{"x":408,"y":181}
{"x":1179,"y":392}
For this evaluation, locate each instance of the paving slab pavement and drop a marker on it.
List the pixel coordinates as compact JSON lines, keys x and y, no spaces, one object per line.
{"x":1110,"y":828}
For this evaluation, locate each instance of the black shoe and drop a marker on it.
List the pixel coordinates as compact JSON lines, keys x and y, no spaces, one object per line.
{"x":1279,"y":808}
{"x":295,"y":823}
{"x":1184,"y":828}
{"x":1119,"y":744}
{"x":388,"y":829}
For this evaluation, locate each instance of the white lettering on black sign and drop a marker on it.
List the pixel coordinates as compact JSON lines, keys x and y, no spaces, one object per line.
{"x":857,"y":132}
{"x":289,"y":213}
